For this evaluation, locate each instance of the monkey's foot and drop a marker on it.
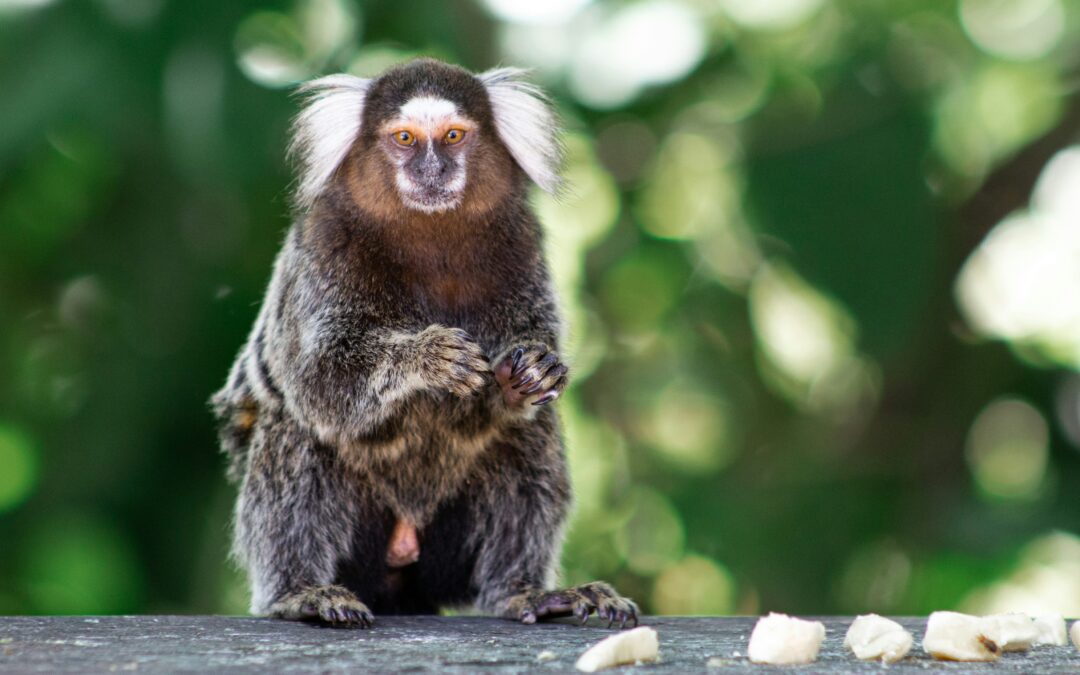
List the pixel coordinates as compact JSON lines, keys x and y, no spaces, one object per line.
{"x":531,"y":372}
{"x":333,"y":605}
{"x":579,"y":601}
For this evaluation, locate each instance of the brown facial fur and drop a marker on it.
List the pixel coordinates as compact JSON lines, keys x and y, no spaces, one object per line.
{"x":435,"y":249}
{"x":368,"y":175}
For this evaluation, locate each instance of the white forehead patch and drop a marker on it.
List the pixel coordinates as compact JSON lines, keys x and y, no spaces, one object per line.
{"x":428,"y":110}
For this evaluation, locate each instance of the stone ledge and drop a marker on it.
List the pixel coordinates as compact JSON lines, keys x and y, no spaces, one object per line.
{"x":212,"y":644}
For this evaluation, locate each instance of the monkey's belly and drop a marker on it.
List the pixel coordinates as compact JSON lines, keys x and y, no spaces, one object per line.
{"x":425,"y":462}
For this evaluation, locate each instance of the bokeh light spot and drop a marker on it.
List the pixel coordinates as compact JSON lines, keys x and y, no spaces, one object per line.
{"x":692,"y":190}
{"x":1007,"y":449}
{"x":641,"y":289}
{"x":688,"y":427}
{"x":18,"y":467}
{"x":642,"y":44}
{"x":654,"y":536}
{"x":22,"y":5}
{"x":531,"y":11}
{"x":1001,"y":107}
{"x":1057,"y":192}
{"x":270,"y":49}
{"x":801,"y":331}
{"x":875,"y":578}
{"x":1016,"y":29}
{"x":78,"y":564}
{"x":694,"y":586}
{"x":770,"y":14}
{"x":1046,"y":580}
{"x":1021,"y":284}
{"x":277,"y":49}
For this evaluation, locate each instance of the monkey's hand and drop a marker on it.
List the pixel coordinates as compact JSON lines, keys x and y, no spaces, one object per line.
{"x":579,"y":601}
{"x":333,"y":605}
{"x":531,"y":372}
{"x":449,"y":359}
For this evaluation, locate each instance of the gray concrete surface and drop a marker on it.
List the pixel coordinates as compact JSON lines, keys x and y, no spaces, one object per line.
{"x":215,"y":644}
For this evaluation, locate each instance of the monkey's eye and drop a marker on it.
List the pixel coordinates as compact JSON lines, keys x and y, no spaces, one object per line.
{"x":454,"y":136}
{"x":404,"y":138}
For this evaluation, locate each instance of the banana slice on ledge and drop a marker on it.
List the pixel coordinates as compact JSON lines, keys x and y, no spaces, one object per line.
{"x":1051,"y":629}
{"x":779,"y":639}
{"x":952,"y":636}
{"x":1013,"y":632}
{"x":639,"y":645}
{"x":875,"y":638}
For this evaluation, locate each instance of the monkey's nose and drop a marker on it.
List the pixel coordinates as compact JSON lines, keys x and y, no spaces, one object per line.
{"x":435,"y":170}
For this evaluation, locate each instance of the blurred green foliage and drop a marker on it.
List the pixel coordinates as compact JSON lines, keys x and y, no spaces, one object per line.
{"x":801,"y":382}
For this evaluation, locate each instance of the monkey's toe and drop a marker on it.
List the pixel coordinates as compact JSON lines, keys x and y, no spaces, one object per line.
{"x":331,"y":605}
{"x":610,"y":605}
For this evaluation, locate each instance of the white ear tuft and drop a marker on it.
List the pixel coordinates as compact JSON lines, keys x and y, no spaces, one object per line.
{"x":324,"y":130}
{"x":526,"y":124}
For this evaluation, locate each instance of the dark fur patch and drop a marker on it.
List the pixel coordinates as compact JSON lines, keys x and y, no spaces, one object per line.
{"x":442,"y":577}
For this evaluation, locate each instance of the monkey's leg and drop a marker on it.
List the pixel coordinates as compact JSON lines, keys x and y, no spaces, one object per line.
{"x":524,"y":503}
{"x":294,"y":522}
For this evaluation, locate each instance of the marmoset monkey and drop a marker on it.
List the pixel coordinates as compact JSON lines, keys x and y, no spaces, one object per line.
{"x":389,"y":418}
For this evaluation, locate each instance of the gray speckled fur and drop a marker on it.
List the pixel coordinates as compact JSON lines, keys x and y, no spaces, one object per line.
{"x":362,"y":396}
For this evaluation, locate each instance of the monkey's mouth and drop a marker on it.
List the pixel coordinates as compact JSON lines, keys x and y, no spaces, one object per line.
{"x":431,"y":203}
{"x":430,"y":198}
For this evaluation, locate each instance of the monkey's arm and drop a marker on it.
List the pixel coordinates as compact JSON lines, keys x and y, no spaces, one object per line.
{"x":346,"y":380}
{"x":344,"y":365}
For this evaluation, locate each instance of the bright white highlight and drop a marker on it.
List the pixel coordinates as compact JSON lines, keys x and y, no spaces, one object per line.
{"x":1045,"y":582}
{"x":535,"y":11}
{"x":1021,"y":283}
{"x":1014,"y":29}
{"x":644,"y":44}
{"x":770,"y":14}
{"x":325,"y":130}
{"x":14,"y":5}
{"x":526,"y":124}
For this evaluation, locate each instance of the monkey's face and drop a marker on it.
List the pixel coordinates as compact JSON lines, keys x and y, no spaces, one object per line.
{"x":425,"y":137}
{"x":428,"y":145}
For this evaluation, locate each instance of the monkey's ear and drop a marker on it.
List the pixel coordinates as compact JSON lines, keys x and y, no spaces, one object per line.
{"x":526,"y":124}
{"x":324,"y":130}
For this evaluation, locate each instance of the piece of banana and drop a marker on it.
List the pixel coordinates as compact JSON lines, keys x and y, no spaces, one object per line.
{"x":952,"y":636}
{"x":627,"y":647}
{"x":1050,"y":629}
{"x":875,"y":638}
{"x":780,"y":639}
